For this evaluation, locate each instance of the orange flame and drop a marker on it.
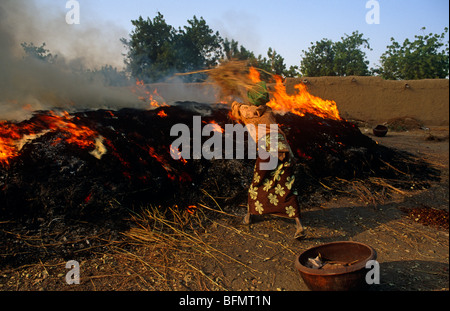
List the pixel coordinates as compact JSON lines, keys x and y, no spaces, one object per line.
{"x":300,"y":103}
{"x":215,"y":126}
{"x":191,"y":209}
{"x":155,"y":100}
{"x":254,"y":75}
{"x":14,"y":136}
{"x":162,"y":114}
{"x":303,"y":102}
{"x":9,"y":134}
{"x":171,"y":173}
{"x":177,"y":152}
{"x":153,"y":154}
{"x":162,"y":161}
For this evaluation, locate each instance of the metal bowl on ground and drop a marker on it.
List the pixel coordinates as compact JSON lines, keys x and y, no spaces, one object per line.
{"x":380,"y":130}
{"x":350,"y":274}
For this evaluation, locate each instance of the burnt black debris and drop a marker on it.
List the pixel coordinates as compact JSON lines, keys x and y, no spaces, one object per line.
{"x":54,"y":183}
{"x":51,"y":178}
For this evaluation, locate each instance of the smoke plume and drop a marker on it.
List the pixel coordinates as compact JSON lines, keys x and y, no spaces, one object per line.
{"x":28,"y":84}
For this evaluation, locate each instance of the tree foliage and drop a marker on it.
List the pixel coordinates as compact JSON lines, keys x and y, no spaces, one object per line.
{"x":349,"y":58}
{"x":150,"y":54}
{"x":342,"y":58}
{"x":427,"y":57}
{"x":157,"y":49}
{"x":319,"y":59}
{"x":272,"y":64}
{"x":106,"y":75}
{"x":38,"y":52}
{"x":197,"y":46}
{"x":232,"y":50}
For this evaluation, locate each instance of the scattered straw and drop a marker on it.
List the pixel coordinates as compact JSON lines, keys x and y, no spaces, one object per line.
{"x":382,"y":182}
{"x":173,"y":244}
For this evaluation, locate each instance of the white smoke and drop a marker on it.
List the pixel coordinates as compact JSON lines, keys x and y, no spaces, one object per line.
{"x":28,"y":84}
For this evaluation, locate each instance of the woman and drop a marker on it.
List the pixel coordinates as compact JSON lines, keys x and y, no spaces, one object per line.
{"x":271,"y":191}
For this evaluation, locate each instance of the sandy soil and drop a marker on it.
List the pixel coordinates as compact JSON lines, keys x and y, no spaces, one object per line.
{"x":220,"y":254}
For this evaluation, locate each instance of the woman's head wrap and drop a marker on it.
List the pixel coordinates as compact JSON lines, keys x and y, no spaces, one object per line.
{"x":258,"y":95}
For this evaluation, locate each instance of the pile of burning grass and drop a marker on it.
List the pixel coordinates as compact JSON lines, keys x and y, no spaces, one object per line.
{"x":60,"y":187}
{"x":126,"y":163}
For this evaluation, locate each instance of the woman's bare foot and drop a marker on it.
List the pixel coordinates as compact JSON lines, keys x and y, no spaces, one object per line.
{"x":300,"y":230}
{"x":246,"y":220}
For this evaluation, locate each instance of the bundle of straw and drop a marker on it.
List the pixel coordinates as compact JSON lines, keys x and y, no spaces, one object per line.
{"x":232,"y":77}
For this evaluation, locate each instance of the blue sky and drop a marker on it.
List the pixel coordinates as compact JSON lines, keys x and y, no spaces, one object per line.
{"x":288,"y":26}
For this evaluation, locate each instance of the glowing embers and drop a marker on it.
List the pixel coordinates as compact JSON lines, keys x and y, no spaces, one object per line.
{"x":9,"y":136}
{"x":172,"y":174}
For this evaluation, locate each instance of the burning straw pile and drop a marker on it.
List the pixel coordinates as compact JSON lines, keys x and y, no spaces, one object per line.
{"x":126,"y":163}
{"x":100,"y":166}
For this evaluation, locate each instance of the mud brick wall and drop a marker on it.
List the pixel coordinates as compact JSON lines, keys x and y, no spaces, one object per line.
{"x":375,"y":100}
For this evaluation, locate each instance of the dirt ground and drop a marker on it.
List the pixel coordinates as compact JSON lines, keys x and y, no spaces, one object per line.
{"x":217,"y":253}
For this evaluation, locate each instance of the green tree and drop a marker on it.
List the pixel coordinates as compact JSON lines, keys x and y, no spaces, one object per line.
{"x":156,"y":49}
{"x":38,"y":52}
{"x":427,"y":57}
{"x":319,"y":59}
{"x":349,"y":58}
{"x":197,"y":47}
{"x":292,"y":72}
{"x":151,"y":55}
{"x":276,"y":61}
{"x":274,"y":64}
{"x":232,"y":50}
{"x":108,"y":75}
{"x":342,"y":58}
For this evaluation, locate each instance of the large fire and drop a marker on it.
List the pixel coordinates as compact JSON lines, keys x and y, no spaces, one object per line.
{"x":14,"y":136}
{"x":300,"y":103}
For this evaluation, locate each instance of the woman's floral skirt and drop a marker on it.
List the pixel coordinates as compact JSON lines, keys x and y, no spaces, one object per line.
{"x":271,"y":192}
